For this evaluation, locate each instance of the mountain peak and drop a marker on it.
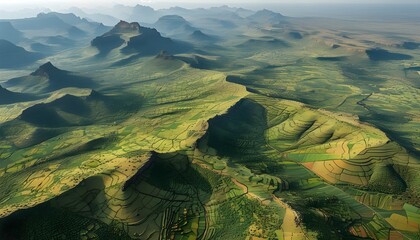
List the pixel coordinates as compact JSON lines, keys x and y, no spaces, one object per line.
{"x":267,"y":16}
{"x":138,"y":6}
{"x":174,"y":24}
{"x":46,"y":15}
{"x":266,"y":11}
{"x":45,"y":70}
{"x":124,"y":27}
{"x":173,"y":18}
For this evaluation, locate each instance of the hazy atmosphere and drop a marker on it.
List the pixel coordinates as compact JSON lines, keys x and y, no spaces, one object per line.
{"x":209,"y":120}
{"x":372,"y":9}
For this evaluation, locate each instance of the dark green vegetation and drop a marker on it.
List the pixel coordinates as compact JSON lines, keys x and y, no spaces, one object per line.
{"x":326,"y":214}
{"x":378,"y":54}
{"x":219,"y":123}
{"x":332,"y":59}
{"x":48,"y":222}
{"x":8,"y":97}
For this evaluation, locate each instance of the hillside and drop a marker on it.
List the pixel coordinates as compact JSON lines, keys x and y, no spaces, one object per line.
{"x":8,"y":97}
{"x":199,"y":36}
{"x":174,"y":25}
{"x":14,"y":56}
{"x":48,"y":78}
{"x":9,"y":33}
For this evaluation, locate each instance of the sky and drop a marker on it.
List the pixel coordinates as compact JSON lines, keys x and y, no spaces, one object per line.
{"x":13,"y":4}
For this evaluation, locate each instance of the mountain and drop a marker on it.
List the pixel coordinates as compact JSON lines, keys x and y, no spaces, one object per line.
{"x":177,"y":11}
{"x":69,"y":18}
{"x":75,"y":32}
{"x":138,"y":13}
{"x":231,"y":11}
{"x":199,"y":36}
{"x":266,"y":17}
{"x":69,"y":29}
{"x":94,"y":17}
{"x":13,"y":56}
{"x":9,"y":33}
{"x":42,"y":21}
{"x":8,"y":97}
{"x":242,"y":12}
{"x":125,"y":27}
{"x":42,"y":121}
{"x":222,"y":13}
{"x":80,"y":24}
{"x":113,"y":39}
{"x":144,"y":14}
{"x":174,"y":25}
{"x":54,"y":23}
{"x":68,"y":110}
{"x":142,"y":40}
{"x":107,"y":43}
{"x":48,"y":78}
{"x":151,"y":42}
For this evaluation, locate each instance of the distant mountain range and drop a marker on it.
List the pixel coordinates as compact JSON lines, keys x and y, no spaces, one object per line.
{"x":58,"y":23}
{"x":174,"y":25}
{"x":266,"y":17}
{"x":47,"y":33}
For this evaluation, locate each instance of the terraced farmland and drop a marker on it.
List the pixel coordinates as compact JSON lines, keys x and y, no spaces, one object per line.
{"x":251,"y":126}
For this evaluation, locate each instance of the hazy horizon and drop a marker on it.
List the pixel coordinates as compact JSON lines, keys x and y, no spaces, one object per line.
{"x":344,"y":9}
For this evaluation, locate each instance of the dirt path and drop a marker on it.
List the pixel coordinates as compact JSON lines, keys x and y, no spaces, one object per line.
{"x":290,"y":229}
